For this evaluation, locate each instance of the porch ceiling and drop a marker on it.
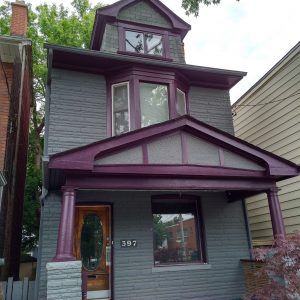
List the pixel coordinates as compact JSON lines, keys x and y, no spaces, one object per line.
{"x":182,"y":149}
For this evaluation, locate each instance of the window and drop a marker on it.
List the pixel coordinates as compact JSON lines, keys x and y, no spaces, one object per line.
{"x":153,"y":103}
{"x":120,"y":108}
{"x":181,"y":102}
{"x":144,"y":43}
{"x":177,"y":231}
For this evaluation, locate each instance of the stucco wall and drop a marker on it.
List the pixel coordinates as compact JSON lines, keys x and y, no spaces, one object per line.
{"x":134,"y":277}
{"x":77,"y":110}
{"x":211,"y":106}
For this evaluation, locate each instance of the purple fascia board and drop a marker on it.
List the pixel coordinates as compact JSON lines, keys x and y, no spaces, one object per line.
{"x":85,"y":156}
{"x":165,"y":183}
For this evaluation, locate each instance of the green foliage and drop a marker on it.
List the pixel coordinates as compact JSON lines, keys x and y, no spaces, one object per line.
{"x":53,"y":24}
{"x":193,"y":6}
{"x":159,"y":230}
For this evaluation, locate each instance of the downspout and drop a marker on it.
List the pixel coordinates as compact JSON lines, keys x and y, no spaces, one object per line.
{"x":248,"y":231}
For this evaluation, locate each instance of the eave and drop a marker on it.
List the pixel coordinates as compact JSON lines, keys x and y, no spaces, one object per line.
{"x":103,"y":63}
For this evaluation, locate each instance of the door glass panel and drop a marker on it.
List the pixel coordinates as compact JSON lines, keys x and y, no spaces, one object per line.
{"x":91,"y":243}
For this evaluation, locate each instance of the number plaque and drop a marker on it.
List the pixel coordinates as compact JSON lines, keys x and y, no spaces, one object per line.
{"x":128,"y":243}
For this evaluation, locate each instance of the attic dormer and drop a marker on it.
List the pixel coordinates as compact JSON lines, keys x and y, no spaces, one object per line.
{"x":145,"y":28}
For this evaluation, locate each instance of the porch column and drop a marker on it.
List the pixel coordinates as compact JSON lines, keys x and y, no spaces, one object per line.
{"x":64,"y":250}
{"x":276,"y":214}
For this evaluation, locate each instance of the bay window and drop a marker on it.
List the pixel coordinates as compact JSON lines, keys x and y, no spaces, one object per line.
{"x":180,"y":102}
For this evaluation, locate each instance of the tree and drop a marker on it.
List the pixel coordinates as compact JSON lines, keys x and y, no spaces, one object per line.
{"x":47,"y":24}
{"x":282,"y":265}
{"x":193,"y":6}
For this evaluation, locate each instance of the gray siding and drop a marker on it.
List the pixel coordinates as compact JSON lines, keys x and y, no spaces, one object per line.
{"x":211,"y":106}
{"x":50,"y":217}
{"x":134,"y":277}
{"x":110,"y":39}
{"x":143,"y":13}
{"x":77,"y":110}
{"x":176,"y":48}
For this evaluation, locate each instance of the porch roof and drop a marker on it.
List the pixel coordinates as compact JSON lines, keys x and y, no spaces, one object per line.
{"x":176,"y":149}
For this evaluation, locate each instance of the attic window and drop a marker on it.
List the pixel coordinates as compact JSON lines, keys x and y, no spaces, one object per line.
{"x":144,"y":43}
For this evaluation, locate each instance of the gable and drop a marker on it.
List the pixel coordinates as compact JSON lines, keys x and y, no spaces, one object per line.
{"x":144,"y":13}
{"x":177,"y":149}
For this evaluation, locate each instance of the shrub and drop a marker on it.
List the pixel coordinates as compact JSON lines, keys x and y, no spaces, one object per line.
{"x":282,"y":267}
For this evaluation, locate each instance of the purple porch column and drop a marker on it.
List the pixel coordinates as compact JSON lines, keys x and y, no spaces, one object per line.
{"x":276,"y":214}
{"x":64,"y":250}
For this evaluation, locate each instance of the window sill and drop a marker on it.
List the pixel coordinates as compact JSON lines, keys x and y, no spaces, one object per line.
{"x":176,"y":268}
{"x":157,"y":57}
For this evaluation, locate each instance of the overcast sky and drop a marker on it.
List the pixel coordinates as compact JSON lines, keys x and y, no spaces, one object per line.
{"x":249,"y":35}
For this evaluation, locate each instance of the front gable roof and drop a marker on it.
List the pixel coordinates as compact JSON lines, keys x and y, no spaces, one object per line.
{"x":183,"y":145}
{"x":111,"y":12}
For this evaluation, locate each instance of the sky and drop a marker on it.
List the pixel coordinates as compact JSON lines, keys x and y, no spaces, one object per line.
{"x":245,"y":35}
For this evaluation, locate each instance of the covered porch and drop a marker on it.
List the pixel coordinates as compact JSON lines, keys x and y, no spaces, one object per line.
{"x":182,"y":168}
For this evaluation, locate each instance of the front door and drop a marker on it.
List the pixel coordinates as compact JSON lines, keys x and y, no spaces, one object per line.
{"x":92,"y":247}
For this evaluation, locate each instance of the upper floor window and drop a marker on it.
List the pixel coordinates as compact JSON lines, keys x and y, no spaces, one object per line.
{"x":180,"y":102}
{"x":120,"y":108}
{"x":153,"y":103}
{"x":144,"y":43}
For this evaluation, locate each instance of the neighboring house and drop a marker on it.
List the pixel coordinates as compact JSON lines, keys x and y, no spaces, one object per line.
{"x":268,"y":116}
{"x":15,"y":99}
{"x":133,"y":134}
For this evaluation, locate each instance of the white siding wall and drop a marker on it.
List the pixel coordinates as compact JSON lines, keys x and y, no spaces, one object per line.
{"x":274,"y":127}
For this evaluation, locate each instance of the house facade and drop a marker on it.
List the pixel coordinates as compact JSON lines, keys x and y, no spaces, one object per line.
{"x":136,"y":141}
{"x":15,"y":99}
{"x":268,"y":116}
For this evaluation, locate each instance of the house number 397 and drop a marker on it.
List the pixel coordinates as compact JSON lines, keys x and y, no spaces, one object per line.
{"x":128,"y":243}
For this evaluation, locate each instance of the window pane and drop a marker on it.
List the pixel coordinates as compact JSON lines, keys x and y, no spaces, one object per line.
{"x":154,"y":44}
{"x":154,"y":103}
{"x":134,"y":41}
{"x":120,"y":109}
{"x":175,"y":238}
{"x":181,"y":103}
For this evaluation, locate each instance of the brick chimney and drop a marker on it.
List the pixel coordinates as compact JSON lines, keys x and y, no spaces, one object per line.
{"x":19,"y":18}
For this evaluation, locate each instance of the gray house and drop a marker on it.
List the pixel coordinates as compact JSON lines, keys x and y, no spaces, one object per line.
{"x":138,"y":142}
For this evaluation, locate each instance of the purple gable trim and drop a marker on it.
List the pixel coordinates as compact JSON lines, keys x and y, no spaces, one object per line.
{"x":83,"y":157}
{"x":110,"y":13}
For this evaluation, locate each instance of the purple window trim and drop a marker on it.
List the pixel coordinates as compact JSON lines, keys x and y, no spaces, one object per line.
{"x":134,"y":76}
{"x":199,"y":221}
{"x":123,"y":27}
{"x":151,"y":56}
{"x":184,"y":148}
{"x":221,"y":157}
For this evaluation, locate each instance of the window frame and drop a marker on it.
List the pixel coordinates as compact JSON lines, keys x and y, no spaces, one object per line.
{"x":123,"y":27}
{"x":173,"y":199}
{"x":185,"y":103}
{"x":113,"y":85}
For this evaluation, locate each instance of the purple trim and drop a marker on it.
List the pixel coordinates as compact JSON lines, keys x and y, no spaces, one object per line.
{"x":150,"y":56}
{"x":125,"y":182}
{"x":174,"y":197}
{"x":221,"y":157}
{"x":177,"y":171}
{"x":83,"y":157}
{"x":145,"y":153}
{"x":184,"y":149}
{"x":276,"y":214}
{"x":64,"y":250}
{"x":110,"y":13}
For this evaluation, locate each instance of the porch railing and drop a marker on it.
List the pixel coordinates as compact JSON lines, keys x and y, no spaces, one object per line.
{"x":252,"y":281}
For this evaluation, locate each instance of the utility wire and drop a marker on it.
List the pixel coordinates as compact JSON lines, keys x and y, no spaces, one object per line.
{"x":263,"y":104}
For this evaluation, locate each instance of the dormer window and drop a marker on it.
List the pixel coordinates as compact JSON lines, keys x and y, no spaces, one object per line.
{"x":144,"y":43}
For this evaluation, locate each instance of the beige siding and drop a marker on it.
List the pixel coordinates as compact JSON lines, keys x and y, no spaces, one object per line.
{"x":274,"y":127}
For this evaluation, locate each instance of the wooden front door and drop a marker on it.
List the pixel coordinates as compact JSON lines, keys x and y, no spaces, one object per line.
{"x":92,"y":245}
